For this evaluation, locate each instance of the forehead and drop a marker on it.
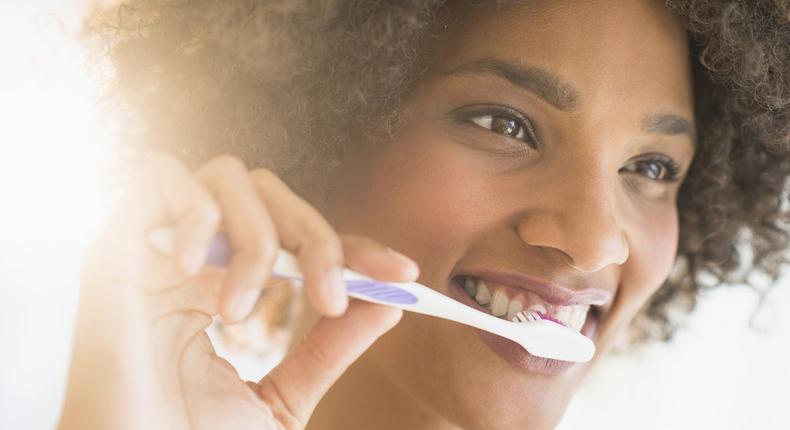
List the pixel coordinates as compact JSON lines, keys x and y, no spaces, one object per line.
{"x":617,"y":53}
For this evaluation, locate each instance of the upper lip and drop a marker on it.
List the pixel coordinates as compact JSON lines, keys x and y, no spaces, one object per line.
{"x":554,"y":293}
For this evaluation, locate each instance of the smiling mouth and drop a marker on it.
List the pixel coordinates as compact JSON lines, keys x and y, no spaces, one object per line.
{"x":505,"y":302}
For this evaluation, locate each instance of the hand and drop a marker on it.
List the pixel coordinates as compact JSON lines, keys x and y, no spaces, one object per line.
{"x":141,"y":356}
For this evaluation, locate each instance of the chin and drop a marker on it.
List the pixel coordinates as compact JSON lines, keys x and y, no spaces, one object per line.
{"x":451,"y":369}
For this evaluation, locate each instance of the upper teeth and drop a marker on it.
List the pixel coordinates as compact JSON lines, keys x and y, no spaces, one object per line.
{"x":483,"y":296}
{"x":524,"y":307}
{"x":499,"y":304}
{"x":513,"y":309}
{"x":470,"y":286}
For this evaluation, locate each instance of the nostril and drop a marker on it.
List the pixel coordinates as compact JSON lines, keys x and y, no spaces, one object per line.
{"x":587,"y":240}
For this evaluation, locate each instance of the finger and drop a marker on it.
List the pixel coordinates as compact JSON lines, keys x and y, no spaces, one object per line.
{"x":211,"y":385}
{"x":252,"y":234}
{"x":292,"y":389}
{"x":164,"y":192}
{"x":371,"y":258}
{"x":304,"y":232}
{"x":199,"y":293}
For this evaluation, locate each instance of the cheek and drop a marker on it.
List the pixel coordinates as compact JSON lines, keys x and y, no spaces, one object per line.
{"x":652,"y":253}
{"x":418,"y":196}
{"x":656,"y":250}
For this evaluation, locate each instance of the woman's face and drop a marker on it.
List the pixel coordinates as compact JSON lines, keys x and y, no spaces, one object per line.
{"x":541,"y":154}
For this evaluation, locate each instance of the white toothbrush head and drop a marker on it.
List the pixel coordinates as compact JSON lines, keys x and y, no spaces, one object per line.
{"x":546,"y":338}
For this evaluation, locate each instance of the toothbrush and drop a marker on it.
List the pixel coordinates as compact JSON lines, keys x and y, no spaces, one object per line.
{"x":541,"y":337}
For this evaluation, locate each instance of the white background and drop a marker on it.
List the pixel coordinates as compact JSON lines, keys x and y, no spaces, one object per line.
{"x":56,"y":152}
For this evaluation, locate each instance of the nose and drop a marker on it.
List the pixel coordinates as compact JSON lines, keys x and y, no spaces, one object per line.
{"x":579,"y":219}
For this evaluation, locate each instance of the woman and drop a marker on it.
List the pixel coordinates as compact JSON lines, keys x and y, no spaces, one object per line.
{"x":558,"y":154}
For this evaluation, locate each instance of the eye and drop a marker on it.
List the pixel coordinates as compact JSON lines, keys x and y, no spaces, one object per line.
{"x":501,"y":120}
{"x":510,"y":127}
{"x":656,"y":167}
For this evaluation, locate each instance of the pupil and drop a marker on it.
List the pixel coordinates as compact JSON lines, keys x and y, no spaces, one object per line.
{"x":652,"y":170}
{"x":507,"y":126}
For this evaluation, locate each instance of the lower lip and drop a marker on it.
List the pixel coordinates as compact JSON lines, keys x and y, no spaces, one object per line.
{"x":514,"y":353}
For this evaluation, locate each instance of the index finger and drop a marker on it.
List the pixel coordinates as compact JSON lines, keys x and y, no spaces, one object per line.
{"x":304,"y":231}
{"x":163,"y":192}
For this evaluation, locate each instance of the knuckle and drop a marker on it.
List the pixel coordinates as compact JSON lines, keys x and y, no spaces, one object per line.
{"x":261,"y":251}
{"x":229,"y":163}
{"x":329,"y":245}
{"x":178,"y":327}
{"x":316,"y":352}
{"x":281,"y":405}
{"x":207,"y":211}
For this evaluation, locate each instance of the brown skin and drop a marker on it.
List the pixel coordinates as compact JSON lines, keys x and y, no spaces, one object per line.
{"x":586,"y":206}
{"x":142,"y":358}
{"x":575,"y":211}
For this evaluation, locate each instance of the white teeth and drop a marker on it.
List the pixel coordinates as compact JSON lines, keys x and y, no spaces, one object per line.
{"x":537,"y":307}
{"x":499,"y":304}
{"x":513,"y":308}
{"x":563,"y":314}
{"x":579,"y":316}
{"x":572,"y":316}
{"x":483,"y":296}
{"x":578,"y":320}
{"x":470,"y":286}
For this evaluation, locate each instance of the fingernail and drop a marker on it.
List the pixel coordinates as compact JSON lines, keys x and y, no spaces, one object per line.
{"x":193,"y":259}
{"x":243,"y":303}
{"x":337,"y":294}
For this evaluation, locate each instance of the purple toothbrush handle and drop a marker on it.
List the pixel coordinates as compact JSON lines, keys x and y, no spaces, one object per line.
{"x":219,"y":252}
{"x":381,"y":291}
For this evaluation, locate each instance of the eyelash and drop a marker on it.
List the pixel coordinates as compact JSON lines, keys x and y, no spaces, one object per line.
{"x":492,"y":112}
{"x":671,"y":168}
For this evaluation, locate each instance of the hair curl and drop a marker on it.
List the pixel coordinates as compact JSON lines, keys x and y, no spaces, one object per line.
{"x":281,"y":84}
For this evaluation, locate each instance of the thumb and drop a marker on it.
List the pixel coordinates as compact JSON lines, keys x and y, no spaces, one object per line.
{"x":293,"y":388}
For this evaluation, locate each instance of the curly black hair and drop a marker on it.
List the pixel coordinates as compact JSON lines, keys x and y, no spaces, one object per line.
{"x":283,"y":83}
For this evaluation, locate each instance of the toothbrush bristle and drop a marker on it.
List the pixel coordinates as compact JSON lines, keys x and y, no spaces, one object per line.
{"x":525,"y":316}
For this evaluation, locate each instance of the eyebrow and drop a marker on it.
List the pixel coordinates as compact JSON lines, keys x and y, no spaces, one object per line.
{"x":564,"y":96}
{"x":669,"y":124}
{"x":543,"y":83}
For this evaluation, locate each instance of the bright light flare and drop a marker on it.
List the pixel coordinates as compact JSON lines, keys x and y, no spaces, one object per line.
{"x":56,"y":168}
{"x":55,"y":141}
